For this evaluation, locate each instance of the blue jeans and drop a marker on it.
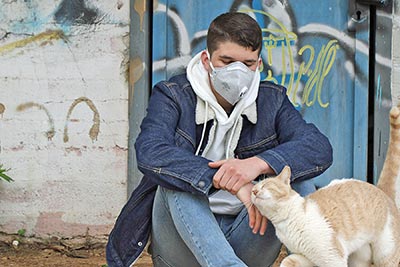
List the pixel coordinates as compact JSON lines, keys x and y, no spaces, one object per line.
{"x":186,"y":233}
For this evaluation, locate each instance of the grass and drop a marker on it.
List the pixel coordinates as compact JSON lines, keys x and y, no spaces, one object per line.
{"x":3,"y":174}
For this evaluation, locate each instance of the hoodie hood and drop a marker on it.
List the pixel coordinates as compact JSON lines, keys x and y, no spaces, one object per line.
{"x":199,"y":79}
{"x":226,"y":131}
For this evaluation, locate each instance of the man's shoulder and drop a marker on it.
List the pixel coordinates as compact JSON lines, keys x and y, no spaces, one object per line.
{"x":177,"y":83}
{"x":267,"y":87}
{"x":179,"y":80}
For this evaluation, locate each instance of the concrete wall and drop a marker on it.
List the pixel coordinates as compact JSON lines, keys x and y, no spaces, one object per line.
{"x":396,"y":53}
{"x":63,"y":115}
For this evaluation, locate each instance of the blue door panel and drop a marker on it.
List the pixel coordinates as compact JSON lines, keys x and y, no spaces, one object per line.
{"x":309,"y":46}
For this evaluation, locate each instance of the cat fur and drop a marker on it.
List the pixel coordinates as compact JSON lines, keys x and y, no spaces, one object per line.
{"x":346,"y":223}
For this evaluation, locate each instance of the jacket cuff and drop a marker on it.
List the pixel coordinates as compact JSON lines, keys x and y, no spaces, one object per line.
{"x":274,"y":160}
{"x":203,"y":180}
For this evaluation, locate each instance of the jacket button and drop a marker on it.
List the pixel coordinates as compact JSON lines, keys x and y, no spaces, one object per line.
{"x":201,"y":184}
{"x":140,"y":244}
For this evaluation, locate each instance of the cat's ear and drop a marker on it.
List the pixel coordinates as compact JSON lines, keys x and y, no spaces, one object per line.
{"x":285,"y":175}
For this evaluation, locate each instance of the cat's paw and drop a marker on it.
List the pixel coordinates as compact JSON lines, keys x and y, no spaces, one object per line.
{"x":289,"y":262}
{"x":296,"y":260}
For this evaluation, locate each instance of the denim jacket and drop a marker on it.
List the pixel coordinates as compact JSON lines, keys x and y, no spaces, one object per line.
{"x":166,"y":148}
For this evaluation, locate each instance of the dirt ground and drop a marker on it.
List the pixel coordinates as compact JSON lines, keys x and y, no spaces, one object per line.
{"x":51,"y":253}
{"x":30,"y":256}
{"x":56,"y":252}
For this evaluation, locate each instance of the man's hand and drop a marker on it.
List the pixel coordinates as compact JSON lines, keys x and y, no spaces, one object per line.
{"x":256,"y":221}
{"x":234,"y":173}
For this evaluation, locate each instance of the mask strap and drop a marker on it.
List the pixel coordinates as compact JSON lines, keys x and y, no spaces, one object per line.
{"x":209,"y":60}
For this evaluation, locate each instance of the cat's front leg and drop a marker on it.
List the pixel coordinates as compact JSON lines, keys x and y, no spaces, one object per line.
{"x":296,"y":260}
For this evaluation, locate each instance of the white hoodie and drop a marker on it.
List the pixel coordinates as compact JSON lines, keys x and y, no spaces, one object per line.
{"x":225,"y":133}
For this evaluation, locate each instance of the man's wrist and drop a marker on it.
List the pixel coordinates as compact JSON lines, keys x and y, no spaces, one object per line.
{"x":263,"y":166}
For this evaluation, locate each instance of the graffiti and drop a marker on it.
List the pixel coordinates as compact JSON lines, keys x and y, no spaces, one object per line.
{"x":93,"y":132}
{"x":44,"y":37}
{"x":379,"y":92}
{"x":316,"y":77}
{"x":50,"y":133}
{"x":75,"y":11}
{"x":95,"y":129}
{"x":281,"y":38}
{"x":301,"y":67}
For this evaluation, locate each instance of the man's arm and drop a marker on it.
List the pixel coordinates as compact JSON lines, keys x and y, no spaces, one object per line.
{"x":158,"y":156}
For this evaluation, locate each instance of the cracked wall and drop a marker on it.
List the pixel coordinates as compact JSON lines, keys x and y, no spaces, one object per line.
{"x":63,"y":115}
{"x":396,"y":53}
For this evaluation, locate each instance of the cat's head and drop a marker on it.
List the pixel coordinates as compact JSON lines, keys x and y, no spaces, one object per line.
{"x":272,"y":191}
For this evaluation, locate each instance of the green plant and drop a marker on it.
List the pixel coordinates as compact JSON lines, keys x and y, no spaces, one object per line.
{"x":21,"y":232}
{"x":3,"y":174}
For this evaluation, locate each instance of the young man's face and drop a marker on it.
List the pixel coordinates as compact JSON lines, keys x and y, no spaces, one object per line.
{"x":229,"y":52}
{"x":226,"y":54}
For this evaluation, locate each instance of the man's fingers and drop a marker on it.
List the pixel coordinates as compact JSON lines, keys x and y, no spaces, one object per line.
{"x":257,"y":223}
{"x":252,"y":216}
{"x":216,"y":164}
{"x":264,"y":225}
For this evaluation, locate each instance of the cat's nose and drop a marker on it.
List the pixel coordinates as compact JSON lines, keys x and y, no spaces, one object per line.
{"x":255,"y":191}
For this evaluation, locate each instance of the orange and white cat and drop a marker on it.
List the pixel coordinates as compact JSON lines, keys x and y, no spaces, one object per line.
{"x":346,"y":223}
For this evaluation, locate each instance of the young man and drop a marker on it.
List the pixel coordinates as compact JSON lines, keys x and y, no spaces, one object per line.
{"x":208,"y":136}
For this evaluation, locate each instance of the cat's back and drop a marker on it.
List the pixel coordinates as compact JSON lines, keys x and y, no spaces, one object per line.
{"x":351,"y":206}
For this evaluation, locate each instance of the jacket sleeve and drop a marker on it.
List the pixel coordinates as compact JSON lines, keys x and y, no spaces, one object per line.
{"x":158,"y":155}
{"x":301,"y":145}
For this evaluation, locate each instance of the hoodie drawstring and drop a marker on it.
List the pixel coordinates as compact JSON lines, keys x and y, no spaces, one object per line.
{"x":203,"y":133}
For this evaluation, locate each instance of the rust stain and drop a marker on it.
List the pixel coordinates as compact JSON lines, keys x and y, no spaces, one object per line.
{"x":44,"y":37}
{"x":140,"y":8}
{"x":2,"y":109}
{"x":136,"y":70}
{"x":95,"y":129}
{"x":51,"y":132}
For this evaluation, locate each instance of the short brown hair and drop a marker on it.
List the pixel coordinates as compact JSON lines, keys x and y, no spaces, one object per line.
{"x":235,"y":27}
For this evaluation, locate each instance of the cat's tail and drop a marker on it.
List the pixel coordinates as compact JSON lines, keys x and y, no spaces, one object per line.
{"x":389,"y":180}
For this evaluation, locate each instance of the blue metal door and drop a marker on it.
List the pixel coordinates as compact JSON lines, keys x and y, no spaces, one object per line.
{"x":318,"y":49}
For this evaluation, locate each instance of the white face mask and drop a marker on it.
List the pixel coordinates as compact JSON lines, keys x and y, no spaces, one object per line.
{"x":231,"y":81}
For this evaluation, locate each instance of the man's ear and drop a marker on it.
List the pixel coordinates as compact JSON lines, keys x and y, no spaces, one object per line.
{"x":205,"y":60}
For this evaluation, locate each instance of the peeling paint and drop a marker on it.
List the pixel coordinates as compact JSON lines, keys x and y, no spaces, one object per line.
{"x":44,"y":37}
{"x":17,"y":148}
{"x":95,"y":129}
{"x":2,"y":109}
{"x":51,"y":132}
{"x":77,"y":150}
{"x":119,"y":151}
